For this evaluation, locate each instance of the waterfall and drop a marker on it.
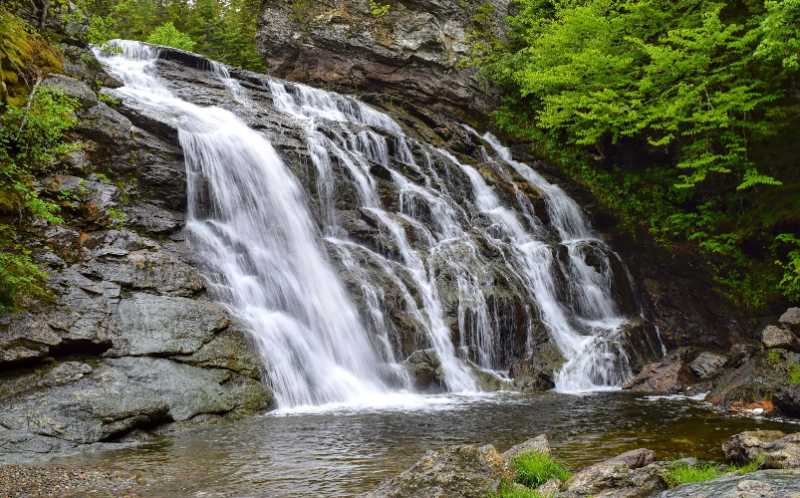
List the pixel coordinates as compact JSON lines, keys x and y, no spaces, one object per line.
{"x":384,"y":246}
{"x":248,"y":220}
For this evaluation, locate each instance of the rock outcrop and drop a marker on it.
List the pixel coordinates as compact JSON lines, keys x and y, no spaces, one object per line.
{"x":132,"y":342}
{"x":410,"y":54}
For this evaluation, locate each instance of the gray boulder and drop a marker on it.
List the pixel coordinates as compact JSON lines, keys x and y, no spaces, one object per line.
{"x":467,"y":471}
{"x":791,"y":319}
{"x":761,"y":484}
{"x":539,"y":444}
{"x":778,"y":450}
{"x":71,"y":87}
{"x":707,"y":364}
{"x":669,"y":376}
{"x":776,"y":337}
{"x":633,"y":474}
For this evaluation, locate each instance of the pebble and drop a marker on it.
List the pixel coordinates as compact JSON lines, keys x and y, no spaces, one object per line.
{"x":35,"y":481}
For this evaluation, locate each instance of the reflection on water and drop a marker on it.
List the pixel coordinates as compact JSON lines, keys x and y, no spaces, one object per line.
{"x":344,"y":452}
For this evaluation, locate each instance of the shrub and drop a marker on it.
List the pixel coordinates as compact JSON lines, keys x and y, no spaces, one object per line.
{"x":535,"y":468}
{"x":169,"y":36}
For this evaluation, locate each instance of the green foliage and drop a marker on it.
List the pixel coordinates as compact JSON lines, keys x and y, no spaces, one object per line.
{"x":101,"y":30}
{"x":377,"y":9}
{"x":535,"y":468}
{"x":790,"y":282}
{"x":670,"y":112}
{"x":794,"y":374}
{"x":680,"y":474}
{"x":169,"y":36}
{"x":224,"y":30}
{"x":31,"y":144}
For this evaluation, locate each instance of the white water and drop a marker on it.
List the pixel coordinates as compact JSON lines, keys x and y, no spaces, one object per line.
{"x":250,"y":222}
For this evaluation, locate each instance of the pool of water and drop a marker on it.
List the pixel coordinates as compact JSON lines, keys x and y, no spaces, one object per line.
{"x":342,"y":451}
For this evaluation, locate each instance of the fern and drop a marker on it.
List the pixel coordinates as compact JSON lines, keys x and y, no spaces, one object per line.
{"x":753,"y":178}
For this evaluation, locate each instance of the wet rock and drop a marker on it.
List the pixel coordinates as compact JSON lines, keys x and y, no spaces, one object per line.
{"x":665,"y":377}
{"x":632,"y":474}
{"x":791,"y":319}
{"x":550,"y":488}
{"x":539,"y":444}
{"x":465,"y":471}
{"x":538,"y":372}
{"x":425,"y":369}
{"x":707,"y":364}
{"x":775,"y":337}
{"x":761,"y":484}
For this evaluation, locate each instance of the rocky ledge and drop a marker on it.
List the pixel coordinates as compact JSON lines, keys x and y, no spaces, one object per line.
{"x":407,"y":52}
{"x":472,"y":471}
{"x":131,"y":343}
{"x":757,"y":375}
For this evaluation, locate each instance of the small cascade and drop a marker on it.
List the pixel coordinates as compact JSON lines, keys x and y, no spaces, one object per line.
{"x":367,"y":246}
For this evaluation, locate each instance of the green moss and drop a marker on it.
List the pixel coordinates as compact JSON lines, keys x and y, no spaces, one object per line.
{"x":794,"y":374}
{"x":535,"y":468}
{"x":378,"y":9}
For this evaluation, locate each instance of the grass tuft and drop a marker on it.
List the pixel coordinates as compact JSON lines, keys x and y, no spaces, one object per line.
{"x":680,"y":474}
{"x":535,"y":468}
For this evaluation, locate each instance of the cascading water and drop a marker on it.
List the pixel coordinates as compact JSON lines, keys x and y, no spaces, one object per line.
{"x":448,"y":264}
{"x":249,"y":222}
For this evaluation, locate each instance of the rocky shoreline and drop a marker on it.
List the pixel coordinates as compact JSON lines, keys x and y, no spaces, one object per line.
{"x":769,"y":467}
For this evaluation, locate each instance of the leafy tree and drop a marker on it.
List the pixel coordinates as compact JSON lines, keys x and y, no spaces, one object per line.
{"x":670,"y":111}
{"x":169,"y":36}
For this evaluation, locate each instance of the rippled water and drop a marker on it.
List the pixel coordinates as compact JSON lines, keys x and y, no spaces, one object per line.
{"x":342,"y":453}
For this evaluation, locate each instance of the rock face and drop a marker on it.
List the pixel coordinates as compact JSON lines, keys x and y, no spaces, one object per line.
{"x":669,"y":376}
{"x":132,"y":342}
{"x":761,"y":484}
{"x":410,"y":55}
{"x":465,"y":471}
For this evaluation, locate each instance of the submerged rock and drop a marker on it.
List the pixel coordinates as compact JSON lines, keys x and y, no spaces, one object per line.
{"x":761,"y":484}
{"x":467,"y":471}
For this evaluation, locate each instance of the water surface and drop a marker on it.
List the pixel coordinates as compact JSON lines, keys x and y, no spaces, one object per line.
{"x":344,"y":452}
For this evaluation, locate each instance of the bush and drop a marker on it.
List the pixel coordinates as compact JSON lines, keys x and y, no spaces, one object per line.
{"x":535,"y":468}
{"x":679,"y":116}
{"x":169,"y":36}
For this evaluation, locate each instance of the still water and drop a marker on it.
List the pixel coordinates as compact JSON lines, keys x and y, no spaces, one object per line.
{"x":343,"y":452}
